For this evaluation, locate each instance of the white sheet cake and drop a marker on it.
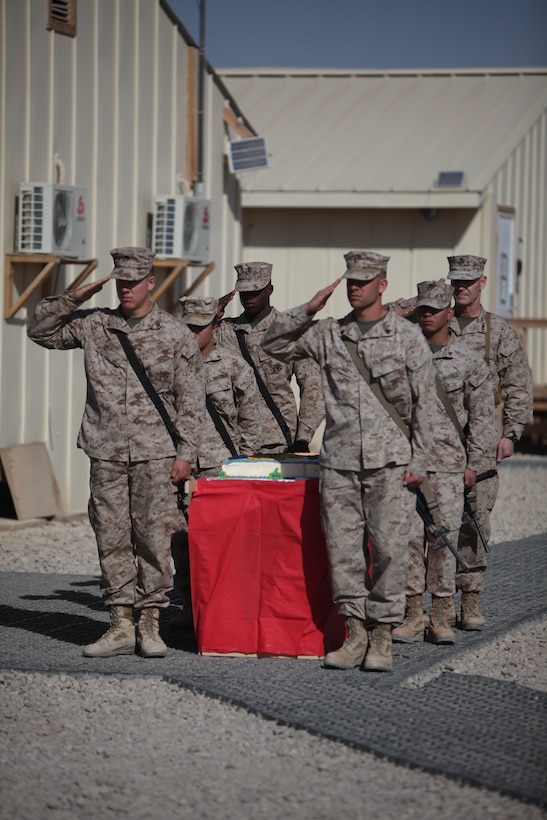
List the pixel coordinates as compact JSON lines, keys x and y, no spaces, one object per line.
{"x":272,"y":468}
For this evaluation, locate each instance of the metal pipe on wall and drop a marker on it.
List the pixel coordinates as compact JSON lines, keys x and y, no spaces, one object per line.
{"x":201,"y":96}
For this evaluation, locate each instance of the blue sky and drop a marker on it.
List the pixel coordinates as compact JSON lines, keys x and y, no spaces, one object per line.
{"x":383,"y":34}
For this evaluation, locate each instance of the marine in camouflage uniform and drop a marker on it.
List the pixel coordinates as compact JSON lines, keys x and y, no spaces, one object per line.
{"x":132,"y":505}
{"x":255,"y":288}
{"x":492,"y":338}
{"x":231,"y":386}
{"x":368,"y":465}
{"x":467,"y":385}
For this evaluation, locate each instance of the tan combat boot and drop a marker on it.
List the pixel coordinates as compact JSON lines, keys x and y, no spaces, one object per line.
{"x":439,"y":629}
{"x":148,"y":634}
{"x":352,"y":651}
{"x":378,"y":657}
{"x":471,"y":618}
{"x":451,"y":612}
{"x":120,"y":638}
{"x":412,"y":628}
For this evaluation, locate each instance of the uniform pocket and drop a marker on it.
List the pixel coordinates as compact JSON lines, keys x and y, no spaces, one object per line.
{"x":161,"y":373}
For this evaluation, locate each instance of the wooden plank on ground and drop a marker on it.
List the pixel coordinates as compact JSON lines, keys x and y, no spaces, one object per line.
{"x":31,"y":480}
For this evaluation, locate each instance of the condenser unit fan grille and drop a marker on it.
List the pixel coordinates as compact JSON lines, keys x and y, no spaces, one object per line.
{"x":62,"y":208}
{"x":31,"y":217}
{"x":165,"y":221}
{"x":192,"y":219}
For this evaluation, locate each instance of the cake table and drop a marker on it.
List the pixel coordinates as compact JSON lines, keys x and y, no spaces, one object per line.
{"x":259,"y":569}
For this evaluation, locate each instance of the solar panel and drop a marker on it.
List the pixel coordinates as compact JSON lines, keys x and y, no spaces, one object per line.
{"x":450,"y":179}
{"x":247,"y":154}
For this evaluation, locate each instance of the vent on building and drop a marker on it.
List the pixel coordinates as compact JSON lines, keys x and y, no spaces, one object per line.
{"x":181,"y":227}
{"x":247,"y":155}
{"x":450,"y":179}
{"x":52,"y":219}
{"x":61,"y":17}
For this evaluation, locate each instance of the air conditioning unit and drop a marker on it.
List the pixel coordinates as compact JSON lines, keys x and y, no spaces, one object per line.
{"x":52,"y":218}
{"x":181,"y":227}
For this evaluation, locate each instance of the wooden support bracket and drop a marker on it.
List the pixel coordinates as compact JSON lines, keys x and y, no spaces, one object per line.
{"x":48,"y":263}
{"x":236,"y":123}
{"x":176,"y":267}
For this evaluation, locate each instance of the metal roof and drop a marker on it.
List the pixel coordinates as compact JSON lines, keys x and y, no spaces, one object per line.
{"x":380,"y":139}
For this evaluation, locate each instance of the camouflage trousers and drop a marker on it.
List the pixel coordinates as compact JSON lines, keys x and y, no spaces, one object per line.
{"x":133,"y":512}
{"x":469,"y":543}
{"x":431,"y":569}
{"x":359,"y":509}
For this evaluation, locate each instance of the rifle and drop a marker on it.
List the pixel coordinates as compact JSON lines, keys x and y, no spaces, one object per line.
{"x":470,"y":506}
{"x":184,"y":488}
{"x":180,"y":492}
{"x":438,"y":529}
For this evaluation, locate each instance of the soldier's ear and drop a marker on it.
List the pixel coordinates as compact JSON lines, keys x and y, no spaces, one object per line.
{"x":450,"y":314}
{"x":482,"y":284}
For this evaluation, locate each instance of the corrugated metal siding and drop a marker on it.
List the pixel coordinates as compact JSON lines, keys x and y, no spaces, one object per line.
{"x":521,"y":183}
{"x":111,"y":102}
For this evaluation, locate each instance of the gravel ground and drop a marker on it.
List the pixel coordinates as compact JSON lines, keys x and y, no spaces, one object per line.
{"x":96,"y":747}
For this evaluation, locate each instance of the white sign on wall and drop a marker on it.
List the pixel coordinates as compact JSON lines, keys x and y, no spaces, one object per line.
{"x":505,"y":263}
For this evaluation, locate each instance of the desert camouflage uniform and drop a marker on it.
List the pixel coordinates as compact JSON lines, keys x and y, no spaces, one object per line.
{"x":277,"y":378}
{"x":511,"y":381}
{"x":364,"y":453}
{"x":467,"y":382}
{"x":231,"y":384}
{"x":132,"y":506}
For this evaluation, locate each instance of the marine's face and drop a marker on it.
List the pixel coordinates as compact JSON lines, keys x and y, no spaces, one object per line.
{"x":432,"y":319}
{"x":467,"y":291}
{"x":204,"y":333}
{"x":362,"y":295}
{"x":255,"y":301}
{"x":135,"y":296}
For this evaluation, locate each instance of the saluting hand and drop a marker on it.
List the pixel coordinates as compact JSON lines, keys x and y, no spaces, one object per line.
{"x":85,"y":292}
{"x":321,"y":298}
{"x":223,"y":301}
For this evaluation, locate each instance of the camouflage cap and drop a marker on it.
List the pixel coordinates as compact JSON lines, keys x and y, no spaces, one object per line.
{"x":434,"y":294}
{"x":364,"y":265}
{"x":198,"y":310}
{"x":466,"y":266}
{"x":253,"y":275}
{"x":132,"y":264}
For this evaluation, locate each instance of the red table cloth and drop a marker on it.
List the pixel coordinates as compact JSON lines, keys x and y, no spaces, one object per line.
{"x":259,"y":569}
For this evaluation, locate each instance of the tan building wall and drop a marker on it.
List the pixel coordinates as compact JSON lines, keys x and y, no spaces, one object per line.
{"x":112,"y":104}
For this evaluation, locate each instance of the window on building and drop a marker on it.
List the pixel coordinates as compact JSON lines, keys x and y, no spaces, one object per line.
{"x":61,"y":16}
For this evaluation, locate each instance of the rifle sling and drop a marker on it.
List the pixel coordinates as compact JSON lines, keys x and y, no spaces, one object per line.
{"x":425,"y":486}
{"x":220,"y":426}
{"x":265,"y":393}
{"x":147,"y":384}
{"x":375,"y":387}
{"x":488,"y":317}
{"x":449,"y":407}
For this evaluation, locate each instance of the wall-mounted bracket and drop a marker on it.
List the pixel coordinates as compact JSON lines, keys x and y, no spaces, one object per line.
{"x":175,"y":268}
{"x":48,"y":264}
